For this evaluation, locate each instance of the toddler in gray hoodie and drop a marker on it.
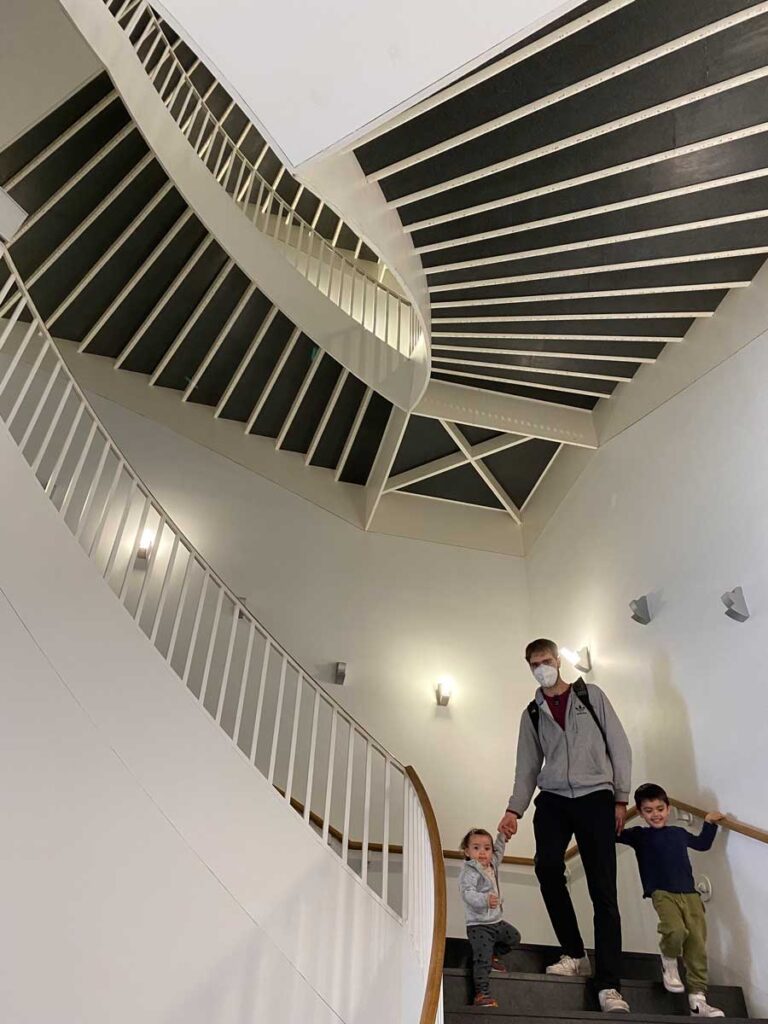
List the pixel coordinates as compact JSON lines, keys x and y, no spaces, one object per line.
{"x":487,"y":931}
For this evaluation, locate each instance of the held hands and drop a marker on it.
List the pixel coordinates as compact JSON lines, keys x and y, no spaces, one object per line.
{"x":508,"y":825}
{"x":493,"y":900}
{"x":621,"y":817}
{"x":714,"y":816}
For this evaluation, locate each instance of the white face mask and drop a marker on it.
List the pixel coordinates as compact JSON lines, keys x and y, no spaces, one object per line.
{"x":545,"y":675}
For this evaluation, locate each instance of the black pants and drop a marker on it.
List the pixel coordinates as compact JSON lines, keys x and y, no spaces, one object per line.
{"x":591,"y":819}
{"x":486,"y":940}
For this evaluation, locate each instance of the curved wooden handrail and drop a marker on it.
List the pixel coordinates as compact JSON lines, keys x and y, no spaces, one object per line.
{"x":573,"y":851}
{"x":435,"y":970}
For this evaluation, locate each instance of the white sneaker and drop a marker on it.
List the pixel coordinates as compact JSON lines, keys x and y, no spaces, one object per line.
{"x":701,"y":1008}
{"x":570,"y":967}
{"x":611,"y":1001}
{"x":670,"y":975}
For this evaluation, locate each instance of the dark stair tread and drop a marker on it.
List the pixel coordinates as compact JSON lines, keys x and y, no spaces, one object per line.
{"x":554,"y":979}
{"x":478,"y":1013}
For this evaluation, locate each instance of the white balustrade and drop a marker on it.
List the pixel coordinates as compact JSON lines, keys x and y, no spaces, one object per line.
{"x":346,"y":282}
{"x":355,"y":797}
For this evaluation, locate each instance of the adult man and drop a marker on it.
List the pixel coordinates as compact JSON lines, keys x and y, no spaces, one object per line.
{"x":572,"y":745}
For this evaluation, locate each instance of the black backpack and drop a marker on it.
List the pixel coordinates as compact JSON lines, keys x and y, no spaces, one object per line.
{"x":580,"y":689}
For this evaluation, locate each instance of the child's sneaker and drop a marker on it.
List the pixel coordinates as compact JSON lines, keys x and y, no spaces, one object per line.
{"x":483,"y":999}
{"x":701,"y":1008}
{"x":498,"y":966}
{"x":571,"y":967}
{"x":612,"y":1001}
{"x":670,"y":975}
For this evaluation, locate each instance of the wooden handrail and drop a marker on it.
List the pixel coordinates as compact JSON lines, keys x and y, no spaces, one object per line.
{"x":573,"y":851}
{"x":435,"y":970}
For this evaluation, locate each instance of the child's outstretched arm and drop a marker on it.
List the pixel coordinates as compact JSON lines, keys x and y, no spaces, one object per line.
{"x":499,"y":847}
{"x":705,"y":838}
{"x":629,"y":837}
{"x":470,"y":895}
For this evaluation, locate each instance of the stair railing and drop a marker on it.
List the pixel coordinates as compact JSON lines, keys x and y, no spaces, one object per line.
{"x":314,"y":755}
{"x":360,"y":295}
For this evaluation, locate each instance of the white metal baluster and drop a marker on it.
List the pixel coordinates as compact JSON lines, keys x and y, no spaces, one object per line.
{"x":329,"y":776}
{"x":135,"y":547}
{"x":348,"y":793}
{"x":191,"y":561}
{"x":53,"y":478}
{"x":82,"y":519}
{"x":260,"y":700}
{"x":39,"y":407}
{"x":51,"y":427}
{"x":276,"y":727}
{"x":153,"y":555}
{"x":135,"y":18}
{"x":102,"y":521}
{"x":121,"y":526}
{"x":17,"y":355}
{"x":294,"y":734}
{"x":75,"y":478}
{"x":385,"y":837}
{"x":182,"y":113}
{"x":211,"y":645}
{"x":196,"y":625}
{"x":243,"y":683}
{"x":167,"y":575}
{"x":366,"y":813}
{"x":312,"y":752}
{"x":236,"y":608}
{"x":406,"y":858}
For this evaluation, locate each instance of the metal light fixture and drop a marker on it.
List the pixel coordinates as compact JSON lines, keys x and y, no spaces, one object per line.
{"x":640,"y":611}
{"x":444,"y":690}
{"x":735,"y":604}
{"x":145,"y":544}
{"x":340,"y":673}
{"x":581,"y":659}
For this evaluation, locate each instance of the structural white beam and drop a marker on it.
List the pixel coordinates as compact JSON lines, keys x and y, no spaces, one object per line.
{"x":466,"y":454}
{"x":469,"y":377}
{"x":600,"y":131}
{"x":609,"y":293}
{"x":530,"y":336}
{"x":590,"y":176}
{"x":382,"y":464}
{"x":482,"y":471}
{"x":506,"y":318}
{"x":478,"y":364}
{"x":605,"y":268}
{"x":592,"y":243}
{"x":508,"y":413}
{"x":477,"y":350}
{"x":611,"y":74}
{"x":593,"y":211}
{"x":483,"y":74}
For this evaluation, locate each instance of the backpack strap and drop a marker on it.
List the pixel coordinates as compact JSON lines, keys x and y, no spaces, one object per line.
{"x":533,"y":714}
{"x":581,"y":691}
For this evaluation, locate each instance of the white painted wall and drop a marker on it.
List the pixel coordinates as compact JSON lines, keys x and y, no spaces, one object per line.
{"x":43,"y":59}
{"x":400,"y":612}
{"x":314,"y":73}
{"x":149,"y":873}
{"x":675,"y":507}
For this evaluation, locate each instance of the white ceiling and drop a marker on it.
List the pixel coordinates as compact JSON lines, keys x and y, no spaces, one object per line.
{"x":314,"y":74}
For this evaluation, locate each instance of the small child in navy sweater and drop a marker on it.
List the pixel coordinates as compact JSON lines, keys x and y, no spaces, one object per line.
{"x":667,"y":877}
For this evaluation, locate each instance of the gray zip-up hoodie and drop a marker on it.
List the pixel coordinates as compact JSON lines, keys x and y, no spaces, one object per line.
{"x":572,"y":762}
{"x":475,"y":887}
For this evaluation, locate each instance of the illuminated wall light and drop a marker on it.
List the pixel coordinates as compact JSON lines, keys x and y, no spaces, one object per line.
{"x":581,"y":659}
{"x":444,"y":690}
{"x":146,"y":543}
{"x":735,"y":604}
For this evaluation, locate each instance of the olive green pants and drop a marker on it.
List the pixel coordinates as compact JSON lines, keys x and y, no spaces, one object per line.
{"x":683,"y":931}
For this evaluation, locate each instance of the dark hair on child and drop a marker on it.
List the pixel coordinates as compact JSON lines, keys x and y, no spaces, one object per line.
{"x":541,"y":646}
{"x":468,"y":836}
{"x":650,"y":791}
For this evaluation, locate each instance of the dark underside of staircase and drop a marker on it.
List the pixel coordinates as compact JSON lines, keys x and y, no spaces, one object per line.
{"x":527,"y":994}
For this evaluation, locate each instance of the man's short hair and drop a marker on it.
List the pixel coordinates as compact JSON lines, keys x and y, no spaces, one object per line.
{"x":541,"y":646}
{"x":650,"y":791}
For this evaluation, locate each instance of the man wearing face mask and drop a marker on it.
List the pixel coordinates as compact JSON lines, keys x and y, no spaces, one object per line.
{"x":573,"y":747}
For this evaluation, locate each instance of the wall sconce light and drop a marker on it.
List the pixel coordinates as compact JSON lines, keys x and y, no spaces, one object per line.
{"x":444,"y":690}
{"x":640,"y":611}
{"x":340,"y":673}
{"x":581,"y":659}
{"x":145,"y":544}
{"x":735,"y":604}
